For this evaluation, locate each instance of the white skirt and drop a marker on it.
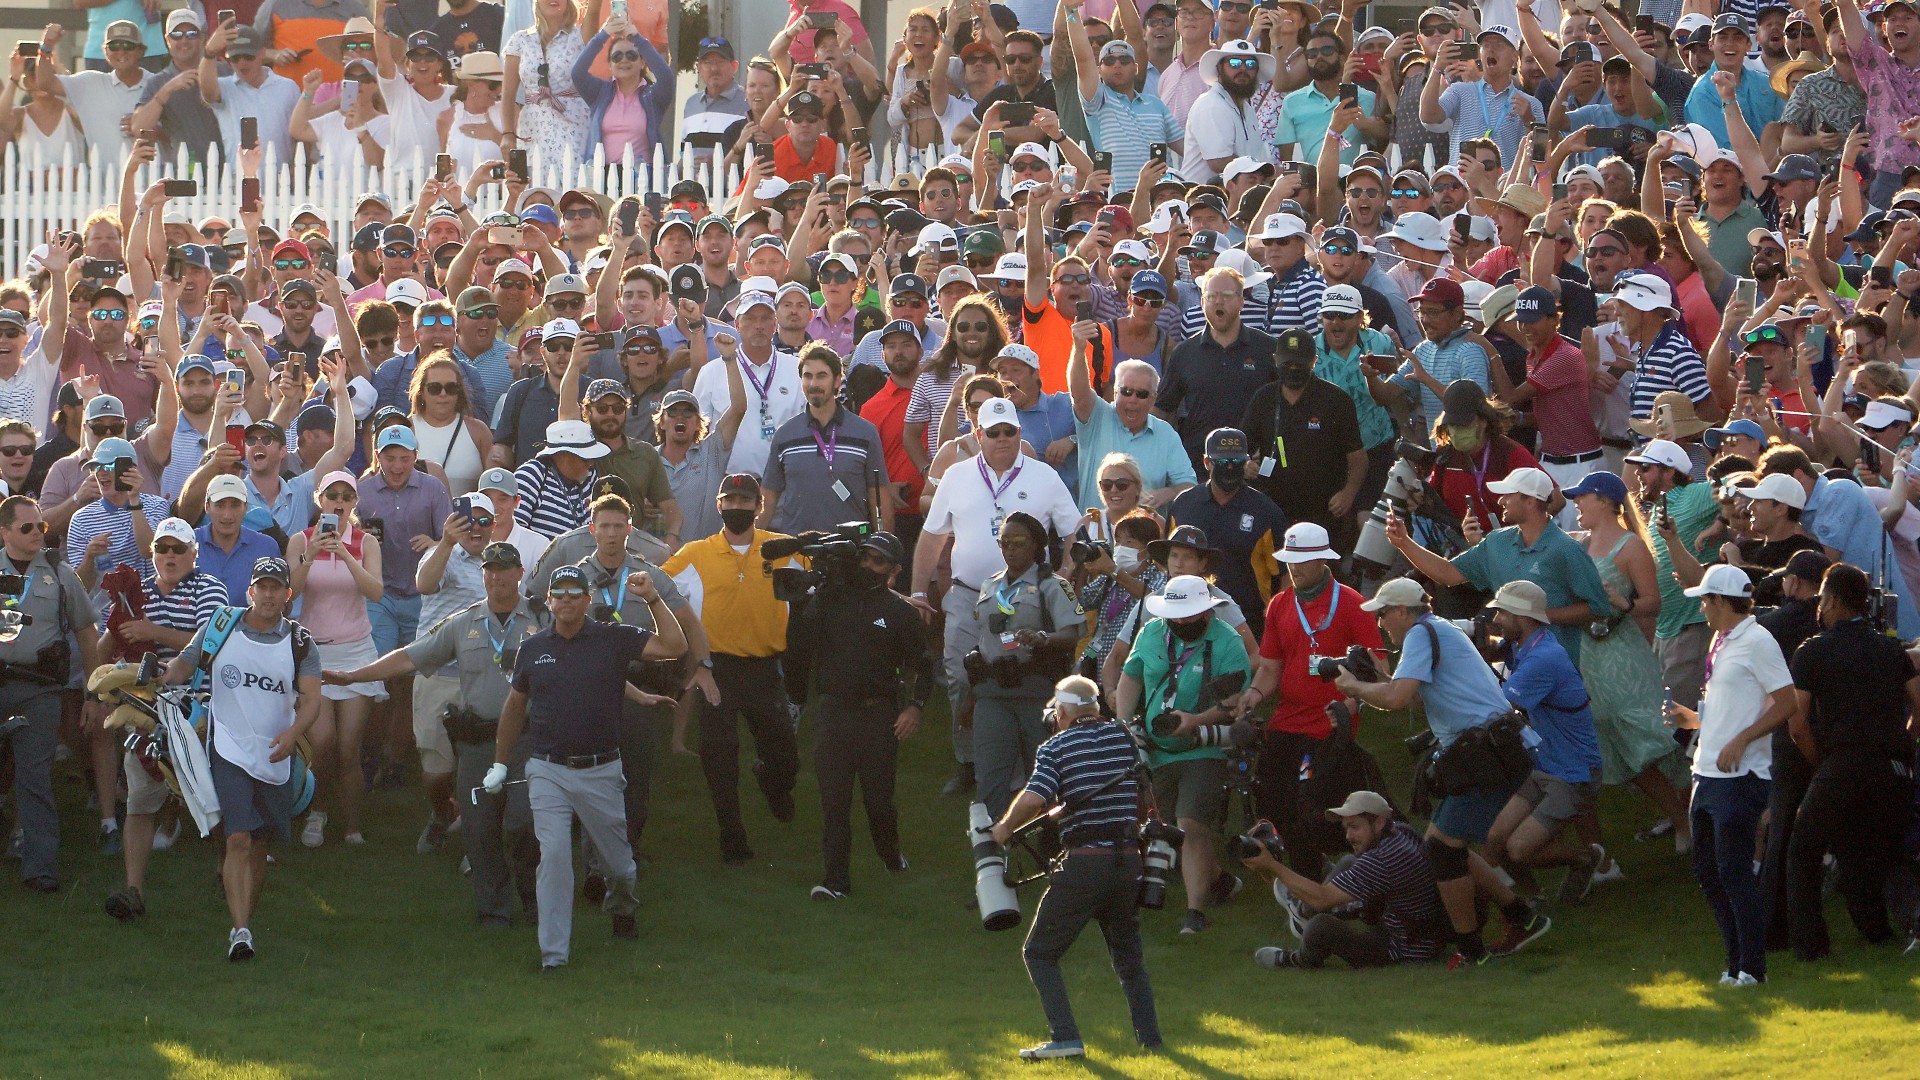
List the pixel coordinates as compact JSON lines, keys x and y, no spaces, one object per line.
{"x":346,"y":656}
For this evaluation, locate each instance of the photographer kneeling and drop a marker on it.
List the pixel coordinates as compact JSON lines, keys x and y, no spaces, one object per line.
{"x":1388,"y":874}
{"x":1463,"y":699}
{"x":1177,"y":658}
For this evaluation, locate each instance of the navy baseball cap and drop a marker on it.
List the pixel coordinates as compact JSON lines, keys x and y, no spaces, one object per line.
{"x":1150,"y":282}
{"x":573,"y":575}
{"x":1534,"y":304}
{"x":908,"y":284}
{"x":886,"y":546}
{"x":1226,"y":442}
{"x":272,"y":569}
{"x":720,"y":45}
{"x":368,"y":238}
{"x":900,"y":326}
{"x":1600,"y":483}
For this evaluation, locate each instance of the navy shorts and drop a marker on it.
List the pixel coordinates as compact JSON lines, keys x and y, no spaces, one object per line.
{"x":249,"y":806}
{"x":1468,"y":815}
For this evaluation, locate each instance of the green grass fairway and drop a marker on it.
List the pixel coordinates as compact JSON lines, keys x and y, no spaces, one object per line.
{"x":371,"y":965}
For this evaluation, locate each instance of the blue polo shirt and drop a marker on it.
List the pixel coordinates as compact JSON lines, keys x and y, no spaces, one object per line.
{"x":1759,"y":105}
{"x":1542,"y":680}
{"x":233,"y":568}
{"x":1156,"y":448}
{"x":1127,"y":125}
{"x":1460,"y":691}
{"x":293,"y":511}
{"x":1556,"y":562}
{"x":1048,"y":421}
{"x":1304,"y":117}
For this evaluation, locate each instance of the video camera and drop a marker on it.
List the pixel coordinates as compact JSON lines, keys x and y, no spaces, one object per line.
{"x":834,"y":554}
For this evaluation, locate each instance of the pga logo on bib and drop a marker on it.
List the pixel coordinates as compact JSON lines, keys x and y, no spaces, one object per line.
{"x":233,"y":678}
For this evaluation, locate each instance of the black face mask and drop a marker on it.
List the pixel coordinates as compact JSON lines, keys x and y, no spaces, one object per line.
{"x":1295,"y":376}
{"x":866,"y":578}
{"x":1190,"y":631}
{"x":1228,"y":475}
{"x":739,"y":519}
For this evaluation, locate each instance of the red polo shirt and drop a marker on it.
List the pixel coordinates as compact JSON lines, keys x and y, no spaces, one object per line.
{"x":887,"y":410}
{"x":1304,"y":696}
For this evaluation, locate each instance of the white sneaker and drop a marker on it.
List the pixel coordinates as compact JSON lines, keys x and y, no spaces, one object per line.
{"x":239,"y":944}
{"x":355,"y":839}
{"x":315,"y":832}
{"x":1728,"y":979}
{"x":164,"y":840}
{"x":1611,"y":873}
{"x":1746,"y":979}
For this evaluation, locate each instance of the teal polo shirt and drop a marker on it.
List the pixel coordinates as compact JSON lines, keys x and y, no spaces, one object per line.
{"x":1556,"y":562}
{"x":1154,"y":654}
{"x":1304,"y":116}
{"x":1157,"y":449}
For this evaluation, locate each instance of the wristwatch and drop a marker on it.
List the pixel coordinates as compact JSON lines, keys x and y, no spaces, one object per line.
{"x":134,"y":505}
{"x":707,"y":663}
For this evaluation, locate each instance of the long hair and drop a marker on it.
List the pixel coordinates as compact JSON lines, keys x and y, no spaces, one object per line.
{"x":940,"y":365}
{"x":417,"y":392}
{"x":547,"y":32}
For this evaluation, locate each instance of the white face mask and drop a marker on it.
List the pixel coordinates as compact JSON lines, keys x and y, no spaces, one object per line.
{"x":1127,"y":558}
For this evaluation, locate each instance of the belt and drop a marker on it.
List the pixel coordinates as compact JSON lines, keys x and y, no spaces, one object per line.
{"x":963,"y":585}
{"x":1092,"y":851}
{"x":579,"y":761}
{"x":1569,"y":459}
{"x":1617,"y":444}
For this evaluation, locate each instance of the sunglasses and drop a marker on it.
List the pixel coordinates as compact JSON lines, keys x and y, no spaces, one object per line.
{"x":622,"y":57}
{"x":1324,"y":50}
{"x":1121,"y":484}
{"x":30,"y":527}
{"x":1149,"y":301}
{"x":1407,"y":193}
{"x":1159,"y":22}
{"x":1339,"y":249}
{"x":1235,"y":6}
{"x":581,"y":213}
{"x":575,"y":303}
{"x":394,"y":251}
{"x":297,"y":305}
{"x":1074,"y":279}
{"x":1118,"y":59}
{"x":908,"y":302}
{"x":835,"y":277}
{"x":124,"y":46}
{"x":1363,"y":192}
{"x":490,"y":311}
{"x":437,"y":389}
{"x":263,"y":440}
{"x":170,"y":547}
{"x":1143,"y":395}
{"x":183,"y":34}
{"x":436,"y":320}
{"x":611,"y":409}
{"x":1191,"y":254}
{"x":566,"y":592}
{"x":357,"y":46}
{"x":546,"y":75}
{"x":17,"y":451}
{"x":972,"y":327}
{"x":1337,"y":316}
{"x":1002,"y":431}
{"x":558,"y":345}
{"x":1448,"y":186}
{"x":289,"y":264}
{"x":1604,"y":251}
{"x":511,"y":283}
{"x":377,"y":342}
{"x":1438,"y":29}
{"x":1766,"y":334}
{"x":864,"y":222}
{"x":1123,"y":261}
{"x":1028,"y":165}
{"x":109,"y":314}
{"x":1248,"y":63}
{"x":634,"y":347}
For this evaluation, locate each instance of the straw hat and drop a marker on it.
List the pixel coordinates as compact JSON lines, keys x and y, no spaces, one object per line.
{"x":1682,"y":422}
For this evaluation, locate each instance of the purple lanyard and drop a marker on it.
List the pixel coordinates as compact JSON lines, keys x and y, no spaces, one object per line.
{"x":761,"y":388}
{"x":1719,"y":642}
{"x":829,"y":445}
{"x":992,"y":492}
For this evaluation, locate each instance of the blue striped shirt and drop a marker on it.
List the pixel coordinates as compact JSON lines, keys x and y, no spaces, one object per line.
{"x":1294,"y":299}
{"x":101,"y":516}
{"x":1475,"y":112}
{"x":548,"y":504}
{"x":1126,"y":126}
{"x":1454,"y":358}
{"x":1070,"y":767}
{"x":191,"y":604}
{"x":1671,"y":363}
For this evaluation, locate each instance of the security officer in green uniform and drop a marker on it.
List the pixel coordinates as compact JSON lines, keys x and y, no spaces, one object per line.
{"x":481,"y":641}
{"x":608,"y":566}
{"x":45,"y":605}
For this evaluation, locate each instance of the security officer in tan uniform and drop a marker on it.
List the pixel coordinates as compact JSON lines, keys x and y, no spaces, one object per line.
{"x":481,"y":642}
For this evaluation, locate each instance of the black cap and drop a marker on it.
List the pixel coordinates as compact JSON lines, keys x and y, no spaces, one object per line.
{"x":1186,"y":536}
{"x":368,"y":238}
{"x":575,"y":574}
{"x":1295,"y":343}
{"x":274,"y":569}
{"x":279,"y":432}
{"x":905,"y":220}
{"x":1463,"y":403}
{"x":805,"y":99}
{"x":740,"y":483}
{"x":886,"y":546}
{"x":612,"y":485}
{"x":1227,"y":442}
{"x":688,"y":189}
{"x":1806,"y":565}
{"x":399,"y":234}
{"x":500,"y":553}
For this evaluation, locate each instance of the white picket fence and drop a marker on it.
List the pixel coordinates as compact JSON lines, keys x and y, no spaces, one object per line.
{"x":37,"y":195}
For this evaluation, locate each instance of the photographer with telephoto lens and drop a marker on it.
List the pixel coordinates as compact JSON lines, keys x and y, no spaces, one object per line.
{"x":1088,"y":768}
{"x":1167,"y":692}
{"x":1389,"y":880}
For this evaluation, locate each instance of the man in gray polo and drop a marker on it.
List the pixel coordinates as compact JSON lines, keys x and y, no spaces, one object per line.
{"x":828,"y":462}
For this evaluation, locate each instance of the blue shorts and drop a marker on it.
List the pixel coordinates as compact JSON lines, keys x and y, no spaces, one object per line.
{"x":249,"y":806}
{"x":395,"y":619}
{"x":1468,"y":815}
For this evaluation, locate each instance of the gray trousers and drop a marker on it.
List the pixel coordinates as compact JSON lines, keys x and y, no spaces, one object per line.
{"x":33,"y":748}
{"x":1006,"y":732}
{"x":497,"y":831}
{"x":1083,"y":889}
{"x":556,"y":795}
{"x":963,"y":633}
{"x":1328,"y":936}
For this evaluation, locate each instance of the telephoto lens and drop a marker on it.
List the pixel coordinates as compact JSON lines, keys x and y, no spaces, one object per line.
{"x":999,"y":907}
{"x":1162,"y":840}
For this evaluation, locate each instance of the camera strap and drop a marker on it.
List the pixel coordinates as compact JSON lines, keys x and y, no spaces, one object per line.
{"x":1170,"y":689}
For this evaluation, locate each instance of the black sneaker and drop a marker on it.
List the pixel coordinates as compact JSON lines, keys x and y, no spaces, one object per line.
{"x":1224,"y":888}
{"x":594,"y":888}
{"x":624,"y":926}
{"x":737,"y":854}
{"x":1195,"y":922}
{"x":126,"y":905}
{"x":898,"y":865}
{"x":962,"y":782}
{"x":41,"y":884}
{"x":781,"y":806}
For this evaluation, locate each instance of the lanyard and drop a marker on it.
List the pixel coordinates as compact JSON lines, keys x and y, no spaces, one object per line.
{"x":1004,"y":595}
{"x":1713,"y":653}
{"x":994,"y":492}
{"x":829,"y":445}
{"x":607,"y":596}
{"x":1333,"y":607}
{"x":1171,"y":688}
{"x":1520,"y":652}
{"x":500,"y":643}
{"x":1486,"y":110}
{"x":760,"y":387}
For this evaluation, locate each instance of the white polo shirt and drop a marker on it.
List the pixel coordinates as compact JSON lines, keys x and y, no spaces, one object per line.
{"x":773,"y":398}
{"x":965,"y":507}
{"x":1746,"y":666}
{"x":101,"y":101}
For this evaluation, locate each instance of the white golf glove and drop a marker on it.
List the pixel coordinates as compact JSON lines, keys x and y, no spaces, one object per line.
{"x":496,"y":779}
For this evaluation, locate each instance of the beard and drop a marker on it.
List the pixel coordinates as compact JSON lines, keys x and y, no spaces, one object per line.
{"x":1238,"y":86}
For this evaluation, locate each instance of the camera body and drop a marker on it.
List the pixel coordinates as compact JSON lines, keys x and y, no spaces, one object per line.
{"x":1262,"y":839}
{"x":1086,"y":551}
{"x":835,"y":554}
{"x":1357,"y":661}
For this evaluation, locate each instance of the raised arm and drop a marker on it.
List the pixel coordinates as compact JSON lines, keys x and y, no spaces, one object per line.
{"x":1086,"y":67}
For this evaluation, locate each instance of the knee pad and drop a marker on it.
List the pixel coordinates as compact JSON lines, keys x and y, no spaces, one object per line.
{"x":1449,"y":863}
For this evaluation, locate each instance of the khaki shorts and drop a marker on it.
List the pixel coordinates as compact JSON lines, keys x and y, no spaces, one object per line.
{"x":1191,"y":790}
{"x":145,"y":795}
{"x":1554,"y":801}
{"x":431,"y":696}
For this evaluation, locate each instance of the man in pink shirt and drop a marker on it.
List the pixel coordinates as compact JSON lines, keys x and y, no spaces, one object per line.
{"x":1184,"y":78}
{"x":1556,"y":384}
{"x":398,"y":250}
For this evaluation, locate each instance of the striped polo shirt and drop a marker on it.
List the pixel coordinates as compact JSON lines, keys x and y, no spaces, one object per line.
{"x":548,"y":504}
{"x":1295,"y":299}
{"x":101,"y":517}
{"x":1127,"y":126}
{"x":1072,"y":766}
{"x":800,"y":469}
{"x":1671,"y":363}
{"x":192,"y":604}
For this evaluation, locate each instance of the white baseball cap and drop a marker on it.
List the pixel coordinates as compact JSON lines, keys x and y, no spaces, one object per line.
{"x":1280,"y":227}
{"x":559,"y":328}
{"x":1183,"y":598}
{"x":1527,"y":481}
{"x":935,"y":234}
{"x":1421,"y":230}
{"x":408,"y":291}
{"x":1011,"y":267}
{"x":1338,"y":300}
{"x":222,"y":488}
{"x":1016,"y":351}
{"x":1722,"y":579}
{"x":1133,"y":249}
{"x":995,"y":412}
{"x":175,"y":529}
{"x":1307,"y":542}
{"x":1780,"y":488}
{"x":1032,"y":150}
{"x":1663,"y":452}
{"x":1644,"y":292}
{"x":951,"y":274}
{"x":1242,"y":165}
{"x":512,"y":266}
{"x":750,"y":300}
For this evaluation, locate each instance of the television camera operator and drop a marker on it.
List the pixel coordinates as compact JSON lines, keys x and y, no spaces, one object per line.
{"x":1177,"y":690}
{"x":1389,"y":883}
{"x":865,"y":647}
{"x":1090,"y":768}
{"x":1476,"y":763}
